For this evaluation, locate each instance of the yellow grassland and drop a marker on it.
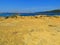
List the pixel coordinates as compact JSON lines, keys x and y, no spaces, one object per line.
{"x":30,"y":30}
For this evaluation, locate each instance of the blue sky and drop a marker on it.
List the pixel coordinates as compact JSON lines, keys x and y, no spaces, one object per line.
{"x":28,"y":5}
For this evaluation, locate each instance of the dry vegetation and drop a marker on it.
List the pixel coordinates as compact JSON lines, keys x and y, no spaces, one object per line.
{"x":30,"y":30}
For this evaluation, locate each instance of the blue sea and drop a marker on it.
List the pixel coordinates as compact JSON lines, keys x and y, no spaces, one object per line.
{"x":30,"y":14}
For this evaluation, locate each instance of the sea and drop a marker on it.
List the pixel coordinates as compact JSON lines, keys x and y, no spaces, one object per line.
{"x":30,"y":14}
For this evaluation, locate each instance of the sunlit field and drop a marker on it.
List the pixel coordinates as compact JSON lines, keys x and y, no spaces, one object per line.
{"x":30,"y":30}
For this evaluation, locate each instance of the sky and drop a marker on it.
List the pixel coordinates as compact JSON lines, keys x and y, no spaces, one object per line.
{"x":28,"y":5}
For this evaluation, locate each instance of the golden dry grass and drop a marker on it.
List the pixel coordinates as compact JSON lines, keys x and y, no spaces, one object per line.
{"x":30,"y":30}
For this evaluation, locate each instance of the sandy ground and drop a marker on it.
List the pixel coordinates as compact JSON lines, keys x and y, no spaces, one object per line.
{"x":30,"y":30}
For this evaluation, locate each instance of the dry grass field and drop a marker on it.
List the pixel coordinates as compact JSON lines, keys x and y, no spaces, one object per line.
{"x":30,"y":30}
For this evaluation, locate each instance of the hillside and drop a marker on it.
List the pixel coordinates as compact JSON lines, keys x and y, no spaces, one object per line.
{"x":30,"y":30}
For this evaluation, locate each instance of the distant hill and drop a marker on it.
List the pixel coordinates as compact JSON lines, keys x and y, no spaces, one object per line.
{"x":51,"y":12}
{"x":56,"y":11}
